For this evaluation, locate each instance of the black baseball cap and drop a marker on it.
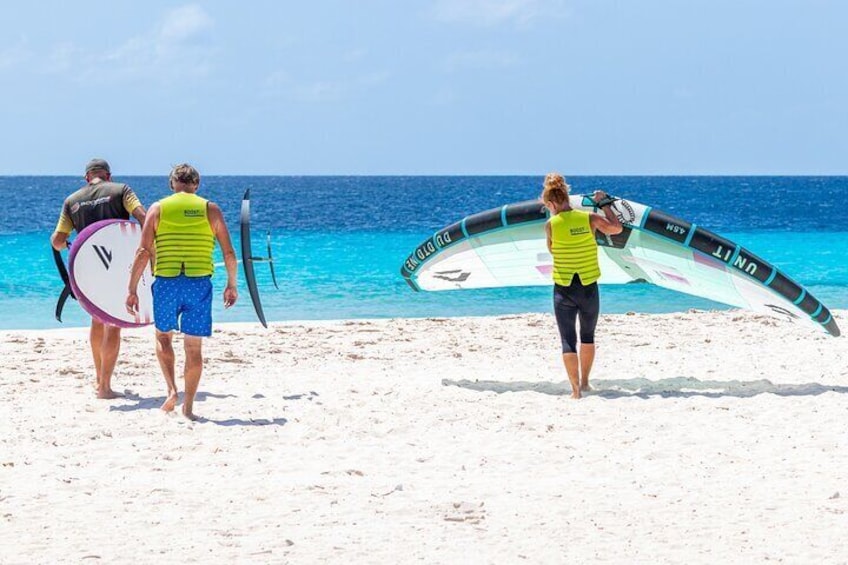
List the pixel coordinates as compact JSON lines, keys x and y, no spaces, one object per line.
{"x":97,"y":165}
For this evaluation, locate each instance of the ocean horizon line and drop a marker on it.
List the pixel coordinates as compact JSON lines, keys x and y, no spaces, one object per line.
{"x":452,"y":175}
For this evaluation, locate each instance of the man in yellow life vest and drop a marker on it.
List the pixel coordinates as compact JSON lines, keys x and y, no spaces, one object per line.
{"x":178,"y":237}
{"x":571,"y":242}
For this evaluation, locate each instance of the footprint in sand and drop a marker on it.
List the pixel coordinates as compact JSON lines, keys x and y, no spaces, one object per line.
{"x":466,"y":512}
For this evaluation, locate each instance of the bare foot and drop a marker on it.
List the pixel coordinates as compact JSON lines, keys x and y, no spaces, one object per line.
{"x":108,"y":394}
{"x":576,"y":395}
{"x":585,"y":387}
{"x":170,"y":402}
{"x":189,"y":415}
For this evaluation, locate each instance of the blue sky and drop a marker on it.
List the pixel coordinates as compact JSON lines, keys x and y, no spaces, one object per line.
{"x":426,"y":86}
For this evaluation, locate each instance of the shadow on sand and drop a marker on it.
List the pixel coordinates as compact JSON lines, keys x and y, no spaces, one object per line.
{"x":675,"y":387}
{"x":136,"y":402}
{"x":241,"y":422}
{"x":155,"y":402}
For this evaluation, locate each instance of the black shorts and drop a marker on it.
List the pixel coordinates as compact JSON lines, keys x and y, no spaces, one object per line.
{"x":570,"y":302}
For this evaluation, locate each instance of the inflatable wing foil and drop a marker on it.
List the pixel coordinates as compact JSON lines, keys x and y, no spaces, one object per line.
{"x":506,"y":247}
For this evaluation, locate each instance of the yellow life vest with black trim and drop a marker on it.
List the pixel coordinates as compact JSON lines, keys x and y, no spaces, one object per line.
{"x":574,"y":248}
{"x":184,"y":238}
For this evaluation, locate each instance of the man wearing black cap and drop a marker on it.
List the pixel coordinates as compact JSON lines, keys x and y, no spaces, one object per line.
{"x":99,"y":199}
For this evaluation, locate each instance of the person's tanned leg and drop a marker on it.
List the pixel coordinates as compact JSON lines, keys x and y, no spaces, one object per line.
{"x":193,"y":369}
{"x":95,"y":340}
{"x":587,"y":357}
{"x":110,"y":346}
{"x":572,"y":367}
{"x":165,"y":354}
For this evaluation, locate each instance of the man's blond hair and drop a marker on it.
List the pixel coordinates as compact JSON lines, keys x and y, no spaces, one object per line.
{"x":184,"y":174}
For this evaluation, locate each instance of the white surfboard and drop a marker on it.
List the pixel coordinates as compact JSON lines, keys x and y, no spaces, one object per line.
{"x":100,"y":262}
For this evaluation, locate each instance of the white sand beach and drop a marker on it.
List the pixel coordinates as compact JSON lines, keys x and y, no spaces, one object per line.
{"x":711,"y":437}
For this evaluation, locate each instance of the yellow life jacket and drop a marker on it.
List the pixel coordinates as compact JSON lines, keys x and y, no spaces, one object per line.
{"x":184,"y":238}
{"x":574,"y":248}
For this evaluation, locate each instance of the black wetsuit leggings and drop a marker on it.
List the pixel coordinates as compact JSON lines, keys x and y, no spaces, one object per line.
{"x":571,"y":301}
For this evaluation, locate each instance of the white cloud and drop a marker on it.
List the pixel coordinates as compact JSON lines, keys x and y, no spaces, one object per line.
{"x":488,"y":13}
{"x":178,"y":45}
{"x":184,"y":23}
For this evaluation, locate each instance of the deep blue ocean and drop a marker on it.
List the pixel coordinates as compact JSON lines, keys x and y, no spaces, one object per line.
{"x":338,"y":242}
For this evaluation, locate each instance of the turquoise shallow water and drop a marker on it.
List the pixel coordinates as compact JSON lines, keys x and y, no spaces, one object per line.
{"x":323,"y":277}
{"x":338,"y":243}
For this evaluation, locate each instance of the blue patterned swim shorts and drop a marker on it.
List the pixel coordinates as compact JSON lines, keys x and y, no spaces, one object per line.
{"x":183,"y":303}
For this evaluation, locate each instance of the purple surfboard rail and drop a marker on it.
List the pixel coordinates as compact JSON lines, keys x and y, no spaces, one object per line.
{"x":84,"y":301}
